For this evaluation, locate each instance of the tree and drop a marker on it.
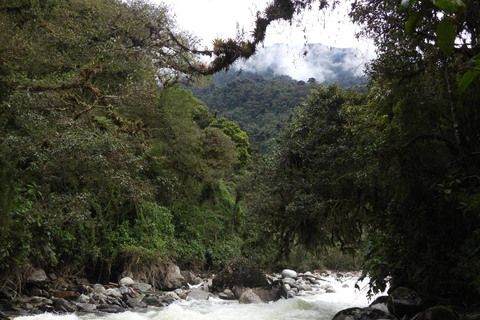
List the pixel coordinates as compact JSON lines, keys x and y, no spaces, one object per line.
{"x":304,"y":194}
{"x":98,"y":143}
{"x":417,"y":154}
{"x":416,"y":140}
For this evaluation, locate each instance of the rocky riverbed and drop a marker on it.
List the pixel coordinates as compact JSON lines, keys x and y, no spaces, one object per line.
{"x":46,"y":293}
{"x":239,"y":281}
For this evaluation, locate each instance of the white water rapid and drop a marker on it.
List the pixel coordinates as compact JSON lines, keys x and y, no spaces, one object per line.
{"x":316,"y":304}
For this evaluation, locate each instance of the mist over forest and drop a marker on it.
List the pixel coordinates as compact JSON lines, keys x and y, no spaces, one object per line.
{"x":314,"y":60}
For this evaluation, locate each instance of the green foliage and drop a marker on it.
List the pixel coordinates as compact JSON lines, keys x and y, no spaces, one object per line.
{"x":261,"y":107}
{"x":238,"y":136}
{"x":102,"y":156}
{"x":303,"y":191}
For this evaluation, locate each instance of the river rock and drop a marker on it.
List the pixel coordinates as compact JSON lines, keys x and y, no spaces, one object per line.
{"x":127,"y":281}
{"x":83,"y":298}
{"x":290,"y":281}
{"x":98,"y":288}
{"x":189,"y":277}
{"x":362,"y":314}
{"x":142,"y":287}
{"x":153,"y":300}
{"x":272,"y":293}
{"x":437,"y":313}
{"x":248,"y":296}
{"x":173,"y":279}
{"x":380,"y":303}
{"x":239,"y":273}
{"x":227,"y":294}
{"x":110,"y":308}
{"x":312,"y":280}
{"x":113,"y":292}
{"x":38,"y":275}
{"x":329,"y":289}
{"x":172,"y":295}
{"x":287,"y":273}
{"x":198,"y":295}
{"x":404,"y":302}
{"x":63,"y":305}
{"x":84,"y":307}
{"x":133,"y":302}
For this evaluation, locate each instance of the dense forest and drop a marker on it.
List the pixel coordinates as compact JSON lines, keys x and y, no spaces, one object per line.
{"x":107,"y":164}
{"x":261,"y":102}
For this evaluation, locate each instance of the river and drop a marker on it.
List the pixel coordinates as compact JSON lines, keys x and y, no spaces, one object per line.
{"x":316,"y":304}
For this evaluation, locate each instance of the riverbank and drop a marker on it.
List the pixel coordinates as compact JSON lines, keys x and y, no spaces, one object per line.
{"x":45,"y":293}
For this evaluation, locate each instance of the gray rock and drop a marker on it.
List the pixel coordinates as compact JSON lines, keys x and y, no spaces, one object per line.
{"x":189,"y":276}
{"x":312,"y":280}
{"x":110,"y":308}
{"x":305,"y":287}
{"x":142,"y":287}
{"x":238,"y":291}
{"x":198,"y":295}
{"x":98,"y":288}
{"x":84,"y":307}
{"x":124,"y":290}
{"x":330,"y":290}
{"x":133,"y":302}
{"x":227,"y":294}
{"x":113,"y":292}
{"x":290,"y":281}
{"x":63,"y":305}
{"x":173,"y":279}
{"x":172,"y":295}
{"x":248,"y":296}
{"x":287,"y":273}
{"x":127,"y":281}
{"x":380,"y":303}
{"x":153,"y":300}
{"x":363,"y":314}
{"x":38,"y":275}
{"x":83,"y":299}
{"x":181,"y":293}
{"x":36,"y":300}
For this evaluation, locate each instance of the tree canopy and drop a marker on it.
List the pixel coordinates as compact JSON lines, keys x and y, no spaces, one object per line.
{"x":104,"y":158}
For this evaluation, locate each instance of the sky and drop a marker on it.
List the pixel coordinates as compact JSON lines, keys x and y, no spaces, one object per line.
{"x":211,"y":19}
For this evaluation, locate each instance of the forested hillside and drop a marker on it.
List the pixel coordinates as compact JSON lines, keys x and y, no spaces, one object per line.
{"x":261,"y":106}
{"x":262,"y":102}
{"x":104,"y":159}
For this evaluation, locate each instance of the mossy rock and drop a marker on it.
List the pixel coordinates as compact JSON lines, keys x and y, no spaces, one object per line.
{"x":437,"y":313}
{"x":241,"y":272}
{"x":404,"y":302}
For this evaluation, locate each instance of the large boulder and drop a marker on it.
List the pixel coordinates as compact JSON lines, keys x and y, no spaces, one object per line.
{"x":239,"y":273}
{"x":362,"y":314}
{"x":173,"y":279}
{"x":62,"y":305}
{"x":287,"y":273}
{"x":248,"y":296}
{"x":404,"y":302}
{"x":437,"y":313}
{"x":126,"y":281}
